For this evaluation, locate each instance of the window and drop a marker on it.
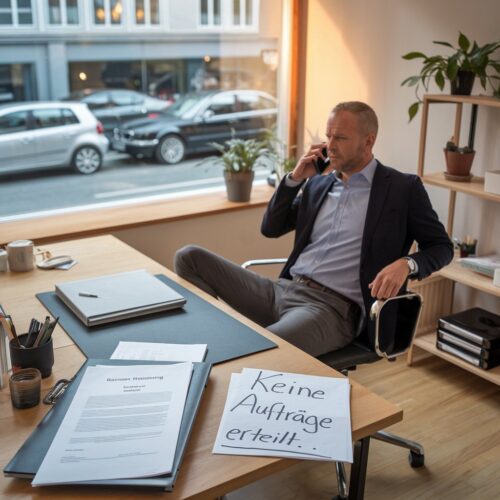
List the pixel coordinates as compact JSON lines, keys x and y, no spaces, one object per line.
{"x":47,"y":118}
{"x":14,"y":122}
{"x":141,"y":78}
{"x":147,"y":12}
{"x":210,"y":12}
{"x":243,"y":13}
{"x":108,"y":12}
{"x":16,"y":12}
{"x":223,"y":104}
{"x":63,"y":12}
{"x":125,"y":98}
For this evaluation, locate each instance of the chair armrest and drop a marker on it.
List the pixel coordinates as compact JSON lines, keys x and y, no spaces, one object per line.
{"x":262,"y":262}
{"x":409,"y":309}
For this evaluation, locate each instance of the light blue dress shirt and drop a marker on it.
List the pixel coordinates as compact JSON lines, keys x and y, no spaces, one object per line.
{"x":332,"y":257}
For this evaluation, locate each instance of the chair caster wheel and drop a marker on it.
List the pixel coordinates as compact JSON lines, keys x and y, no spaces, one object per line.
{"x":416,"y":459}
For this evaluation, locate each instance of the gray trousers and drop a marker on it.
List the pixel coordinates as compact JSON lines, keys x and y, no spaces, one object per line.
{"x":312,"y":320}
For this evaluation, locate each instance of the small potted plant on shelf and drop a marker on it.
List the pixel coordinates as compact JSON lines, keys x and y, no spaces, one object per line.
{"x":460,"y":68}
{"x":239,"y":158}
{"x":458,"y":161}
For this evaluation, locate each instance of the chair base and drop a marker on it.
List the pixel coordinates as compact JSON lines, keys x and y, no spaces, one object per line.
{"x":416,"y":459}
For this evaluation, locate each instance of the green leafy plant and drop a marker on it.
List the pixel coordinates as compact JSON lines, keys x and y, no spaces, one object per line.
{"x":284,"y":157}
{"x":468,"y":57}
{"x":241,"y":155}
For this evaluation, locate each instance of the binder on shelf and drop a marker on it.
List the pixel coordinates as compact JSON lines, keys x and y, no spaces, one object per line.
{"x":115,"y":297}
{"x":475,"y":325}
{"x":465,"y":356}
{"x":474,"y":349}
{"x":29,"y":457}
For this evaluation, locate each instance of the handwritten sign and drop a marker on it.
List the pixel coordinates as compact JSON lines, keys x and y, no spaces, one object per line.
{"x":270,"y":413}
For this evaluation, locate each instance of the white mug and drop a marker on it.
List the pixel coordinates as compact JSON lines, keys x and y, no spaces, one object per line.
{"x":20,"y":255}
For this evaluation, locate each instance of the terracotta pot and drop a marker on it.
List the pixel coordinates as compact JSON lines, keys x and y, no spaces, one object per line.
{"x":238,"y":185}
{"x":458,"y":164}
{"x":463,"y":83}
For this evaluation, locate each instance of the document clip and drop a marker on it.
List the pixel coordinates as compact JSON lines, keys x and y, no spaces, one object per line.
{"x":56,"y":392}
{"x":54,"y":262}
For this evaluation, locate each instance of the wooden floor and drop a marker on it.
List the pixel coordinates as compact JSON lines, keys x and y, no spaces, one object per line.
{"x":453,"y":414}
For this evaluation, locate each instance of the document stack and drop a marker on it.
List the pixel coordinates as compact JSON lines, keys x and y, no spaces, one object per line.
{"x":472,"y":335}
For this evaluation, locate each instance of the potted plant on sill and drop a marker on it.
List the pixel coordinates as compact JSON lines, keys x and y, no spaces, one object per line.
{"x":239,"y":157}
{"x":460,"y":69}
{"x":458,"y":161}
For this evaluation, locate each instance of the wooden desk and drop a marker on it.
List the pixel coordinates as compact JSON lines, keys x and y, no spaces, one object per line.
{"x":202,"y":474}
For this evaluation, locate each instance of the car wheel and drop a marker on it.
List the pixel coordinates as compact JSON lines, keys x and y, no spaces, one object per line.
{"x":87,"y":160}
{"x":171,"y":150}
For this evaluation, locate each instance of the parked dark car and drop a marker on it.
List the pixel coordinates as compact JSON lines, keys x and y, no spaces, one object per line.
{"x":113,"y":107}
{"x":195,"y":120}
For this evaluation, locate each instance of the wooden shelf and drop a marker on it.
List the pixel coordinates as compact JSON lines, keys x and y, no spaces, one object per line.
{"x":428,"y":343}
{"x":481,"y":100}
{"x":460,"y":274}
{"x":475,"y":187}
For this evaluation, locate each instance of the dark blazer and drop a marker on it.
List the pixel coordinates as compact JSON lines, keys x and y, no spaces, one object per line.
{"x":399,"y":212}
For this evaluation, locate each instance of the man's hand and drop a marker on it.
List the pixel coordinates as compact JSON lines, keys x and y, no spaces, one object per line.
{"x":389,"y":280}
{"x":305,"y":167}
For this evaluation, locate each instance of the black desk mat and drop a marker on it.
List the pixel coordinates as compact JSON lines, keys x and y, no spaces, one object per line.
{"x":198,"y":322}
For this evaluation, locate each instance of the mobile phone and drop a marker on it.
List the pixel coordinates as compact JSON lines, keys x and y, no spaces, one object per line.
{"x":321,"y":164}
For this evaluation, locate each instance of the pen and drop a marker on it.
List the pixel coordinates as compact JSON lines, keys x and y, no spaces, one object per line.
{"x":91,"y":295}
{"x":41,"y":333}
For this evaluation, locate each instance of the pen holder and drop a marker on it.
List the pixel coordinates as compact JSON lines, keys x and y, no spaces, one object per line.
{"x":41,"y":357}
{"x":25,"y":388}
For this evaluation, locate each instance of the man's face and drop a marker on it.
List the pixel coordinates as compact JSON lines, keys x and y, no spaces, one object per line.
{"x":349,"y":145}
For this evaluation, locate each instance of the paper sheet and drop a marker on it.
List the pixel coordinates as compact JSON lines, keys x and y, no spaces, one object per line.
{"x":151,"y":351}
{"x":122,"y":423}
{"x":286,"y":415}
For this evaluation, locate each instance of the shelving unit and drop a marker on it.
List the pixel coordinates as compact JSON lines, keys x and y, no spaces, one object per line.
{"x":438,"y":289}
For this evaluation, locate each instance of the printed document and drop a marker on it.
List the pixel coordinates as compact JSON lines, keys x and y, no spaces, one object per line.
{"x":123,"y":422}
{"x":277,"y":414}
{"x":152,"y":351}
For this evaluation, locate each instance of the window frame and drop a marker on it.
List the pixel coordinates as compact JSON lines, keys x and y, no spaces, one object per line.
{"x":63,"y":6}
{"x":15,"y":10}
{"x":107,"y":16}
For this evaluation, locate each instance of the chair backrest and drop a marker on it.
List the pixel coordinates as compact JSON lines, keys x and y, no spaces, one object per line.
{"x":398,"y":315}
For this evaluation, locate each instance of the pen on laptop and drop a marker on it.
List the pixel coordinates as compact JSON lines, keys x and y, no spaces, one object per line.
{"x":91,"y":295}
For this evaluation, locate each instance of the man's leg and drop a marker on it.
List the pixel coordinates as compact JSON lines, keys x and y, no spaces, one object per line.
{"x":314,"y":321}
{"x":247,"y":292}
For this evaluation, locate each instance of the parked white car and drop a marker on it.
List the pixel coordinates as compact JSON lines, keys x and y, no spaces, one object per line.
{"x":39,"y":135}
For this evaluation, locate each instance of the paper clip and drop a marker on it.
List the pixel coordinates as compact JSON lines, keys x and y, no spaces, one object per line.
{"x":56,"y":392}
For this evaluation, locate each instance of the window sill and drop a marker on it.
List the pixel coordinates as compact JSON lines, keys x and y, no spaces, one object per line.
{"x":105,"y":220}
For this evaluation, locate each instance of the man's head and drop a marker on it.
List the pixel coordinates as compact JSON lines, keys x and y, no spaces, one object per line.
{"x":351,"y":131}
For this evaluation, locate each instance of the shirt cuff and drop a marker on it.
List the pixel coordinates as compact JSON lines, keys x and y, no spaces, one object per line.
{"x":289,"y":182}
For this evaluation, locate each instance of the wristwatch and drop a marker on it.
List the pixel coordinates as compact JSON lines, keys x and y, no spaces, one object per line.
{"x":412,"y":266}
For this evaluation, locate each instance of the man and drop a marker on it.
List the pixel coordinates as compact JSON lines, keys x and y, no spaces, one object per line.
{"x":354,"y":226}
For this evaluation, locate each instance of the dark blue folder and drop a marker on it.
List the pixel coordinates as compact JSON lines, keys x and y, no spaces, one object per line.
{"x":29,"y":457}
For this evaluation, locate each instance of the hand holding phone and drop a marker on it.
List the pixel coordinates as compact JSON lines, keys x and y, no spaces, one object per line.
{"x":320,"y":163}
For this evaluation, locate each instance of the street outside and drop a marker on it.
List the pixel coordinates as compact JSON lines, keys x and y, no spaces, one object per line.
{"x":120,"y":178}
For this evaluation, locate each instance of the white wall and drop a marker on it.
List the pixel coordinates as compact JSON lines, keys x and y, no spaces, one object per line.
{"x":354,"y":53}
{"x":234,"y":235}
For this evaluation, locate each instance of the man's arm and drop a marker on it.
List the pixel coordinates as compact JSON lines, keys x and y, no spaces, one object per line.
{"x":281,"y":214}
{"x":435,"y":250}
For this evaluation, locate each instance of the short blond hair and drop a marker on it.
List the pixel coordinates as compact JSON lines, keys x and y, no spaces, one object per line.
{"x":365,"y":113}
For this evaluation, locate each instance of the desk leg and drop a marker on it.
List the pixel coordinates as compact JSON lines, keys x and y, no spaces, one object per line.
{"x":358,"y":469}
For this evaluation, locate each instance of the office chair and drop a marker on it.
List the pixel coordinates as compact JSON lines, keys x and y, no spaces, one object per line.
{"x":407,"y":308}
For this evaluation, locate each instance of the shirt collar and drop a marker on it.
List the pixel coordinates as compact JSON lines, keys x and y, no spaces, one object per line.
{"x":368,"y":171}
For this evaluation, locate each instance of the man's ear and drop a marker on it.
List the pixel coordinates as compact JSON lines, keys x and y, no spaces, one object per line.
{"x":370,"y":140}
